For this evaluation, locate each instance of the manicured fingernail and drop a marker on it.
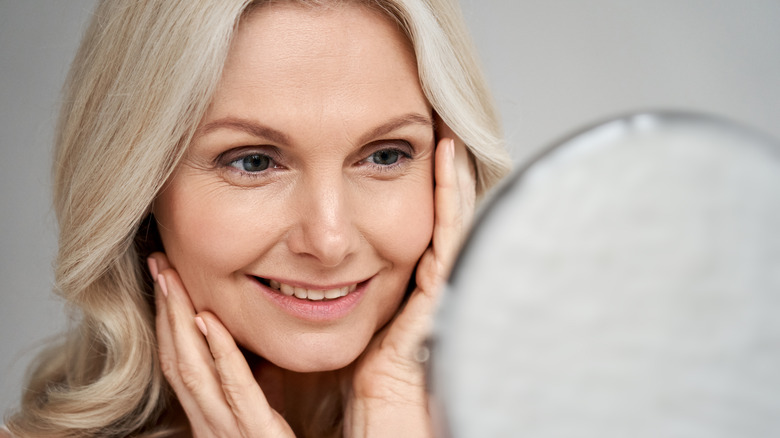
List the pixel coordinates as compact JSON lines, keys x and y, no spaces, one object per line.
{"x":163,"y":286}
{"x":452,"y":148}
{"x":152,"y":267}
{"x":201,"y":325}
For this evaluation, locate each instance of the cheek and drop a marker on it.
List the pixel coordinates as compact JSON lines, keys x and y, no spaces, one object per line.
{"x":210,"y":233}
{"x":401,"y":222}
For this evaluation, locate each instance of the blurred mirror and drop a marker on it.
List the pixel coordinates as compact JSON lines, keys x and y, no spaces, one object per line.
{"x":625,"y":283}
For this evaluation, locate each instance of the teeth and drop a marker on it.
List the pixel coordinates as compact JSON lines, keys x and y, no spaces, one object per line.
{"x":311,"y":294}
{"x":316,"y":295}
{"x":285,"y":288}
{"x":333,"y":293}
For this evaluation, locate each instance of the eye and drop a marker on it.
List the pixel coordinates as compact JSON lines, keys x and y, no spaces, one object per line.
{"x":252,"y":163}
{"x":385,"y":157}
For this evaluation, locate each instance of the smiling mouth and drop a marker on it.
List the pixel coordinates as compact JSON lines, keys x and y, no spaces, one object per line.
{"x":307,"y":294}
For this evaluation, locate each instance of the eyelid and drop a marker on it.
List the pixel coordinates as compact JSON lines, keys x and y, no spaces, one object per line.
{"x":406,"y":147}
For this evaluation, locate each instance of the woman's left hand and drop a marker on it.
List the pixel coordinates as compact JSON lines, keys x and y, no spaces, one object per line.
{"x":388,"y":390}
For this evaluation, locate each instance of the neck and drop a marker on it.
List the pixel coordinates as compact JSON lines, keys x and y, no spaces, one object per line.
{"x":305,"y":400}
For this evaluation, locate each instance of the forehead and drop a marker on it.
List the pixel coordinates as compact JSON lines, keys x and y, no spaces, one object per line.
{"x":289,"y":61}
{"x":329,"y":29}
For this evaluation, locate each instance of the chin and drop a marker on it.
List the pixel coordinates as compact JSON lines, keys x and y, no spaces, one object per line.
{"x":314,"y":366}
{"x":319,"y":354}
{"x":303,"y":363}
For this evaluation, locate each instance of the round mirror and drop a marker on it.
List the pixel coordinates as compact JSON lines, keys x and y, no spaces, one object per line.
{"x":625,"y":283}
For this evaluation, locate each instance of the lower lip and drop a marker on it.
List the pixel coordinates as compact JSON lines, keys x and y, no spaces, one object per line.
{"x":316,"y":311}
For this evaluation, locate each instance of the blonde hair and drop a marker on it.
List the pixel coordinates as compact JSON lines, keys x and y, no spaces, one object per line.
{"x":138,"y":87}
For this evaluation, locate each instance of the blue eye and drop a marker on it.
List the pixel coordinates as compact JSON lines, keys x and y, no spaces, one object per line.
{"x":385,"y":157}
{"x":252,"y":163}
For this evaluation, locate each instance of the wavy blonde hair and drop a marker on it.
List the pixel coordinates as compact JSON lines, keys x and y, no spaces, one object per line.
{"x":138,"y":87}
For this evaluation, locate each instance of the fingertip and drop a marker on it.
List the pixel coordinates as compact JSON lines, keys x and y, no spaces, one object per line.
{"x":152,"y":263}
{"x":220,"y":341}
{"x":209,"y":325}
{"x":446,"y":146}
{"x":444,"y":172}
{"x":163,"y":285}
{"x":161,"y":260}
{"x":201,"y":326}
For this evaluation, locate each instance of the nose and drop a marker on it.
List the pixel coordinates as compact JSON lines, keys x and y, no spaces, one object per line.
{"x":325,"y":228}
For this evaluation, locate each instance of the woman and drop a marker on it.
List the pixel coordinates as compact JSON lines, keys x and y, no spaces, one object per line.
{"x":273,"y":164}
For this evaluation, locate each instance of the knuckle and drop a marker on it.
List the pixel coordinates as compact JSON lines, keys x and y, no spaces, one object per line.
{"x":235,"y":392}
{"x":227,"y":355}
{"x":168,"y":368}
{"x":174,"y":323}
{"x":238,"y":398}
{"x":188,"y":375}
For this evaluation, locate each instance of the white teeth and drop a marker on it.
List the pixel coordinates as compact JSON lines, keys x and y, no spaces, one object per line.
{"x":300,"y":293}
{"x":316,"y":295}
{"x":285,"y":289}
{"x":311,"y":294}
{"x":334,"y":293}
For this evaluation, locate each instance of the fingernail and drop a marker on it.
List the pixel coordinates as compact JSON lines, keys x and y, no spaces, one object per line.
{"x":152,"y":267}
{"x":201,"y":325}
{"x":452,"y":148}
{"x":163,"y":286}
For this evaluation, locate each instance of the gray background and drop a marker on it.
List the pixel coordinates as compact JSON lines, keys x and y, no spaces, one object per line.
{"x":554,"y":66}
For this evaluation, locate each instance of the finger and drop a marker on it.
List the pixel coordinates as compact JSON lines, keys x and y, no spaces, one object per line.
{"x":196,"y":380}
{"x":466,"y":173}
{"x":166,"y":350}
{"x":449,"y":220}
{"x":244,"y":396}
{"x":165,"y":346}
{"x":158,"y":262}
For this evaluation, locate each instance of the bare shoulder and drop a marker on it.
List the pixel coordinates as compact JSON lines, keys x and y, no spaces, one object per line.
{"x":4,"y":433}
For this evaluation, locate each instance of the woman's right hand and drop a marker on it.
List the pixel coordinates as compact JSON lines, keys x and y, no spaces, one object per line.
{"x":203,"y":364}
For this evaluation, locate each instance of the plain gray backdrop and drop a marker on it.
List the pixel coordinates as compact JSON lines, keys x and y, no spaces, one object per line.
{"x":555,"y":65}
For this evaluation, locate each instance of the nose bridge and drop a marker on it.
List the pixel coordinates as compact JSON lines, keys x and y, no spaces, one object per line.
{"x":325,"y":228}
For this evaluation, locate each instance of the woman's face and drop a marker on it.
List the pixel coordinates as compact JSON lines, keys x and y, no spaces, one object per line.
{"x":310,"y":175}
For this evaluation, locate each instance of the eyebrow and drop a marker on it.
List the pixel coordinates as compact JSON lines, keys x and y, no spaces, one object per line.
{"x":397,"y":123}
{"x":261,"y":131}
{"x":250,"y":127}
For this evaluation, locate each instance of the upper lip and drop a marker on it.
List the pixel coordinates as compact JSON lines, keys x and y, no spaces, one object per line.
{"x":312,"y":286}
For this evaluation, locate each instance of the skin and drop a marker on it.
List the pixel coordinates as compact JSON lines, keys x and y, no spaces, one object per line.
{"x":347,"y":195}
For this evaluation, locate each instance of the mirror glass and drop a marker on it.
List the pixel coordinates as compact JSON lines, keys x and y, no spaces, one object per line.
{"x":624,"y":283}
